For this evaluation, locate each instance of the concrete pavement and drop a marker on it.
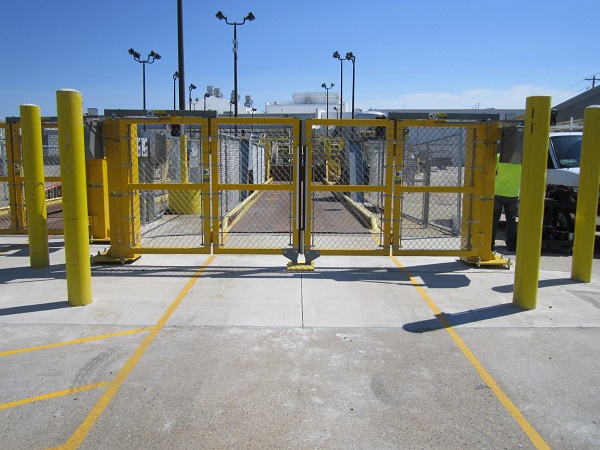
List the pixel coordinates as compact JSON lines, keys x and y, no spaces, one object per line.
{"x":233,"y":351}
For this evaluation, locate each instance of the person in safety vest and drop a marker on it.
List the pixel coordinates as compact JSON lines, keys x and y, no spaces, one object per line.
{"x":506,"y":197}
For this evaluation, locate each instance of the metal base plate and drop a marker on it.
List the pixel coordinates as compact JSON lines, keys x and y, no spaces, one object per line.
{"x":498,"y":260}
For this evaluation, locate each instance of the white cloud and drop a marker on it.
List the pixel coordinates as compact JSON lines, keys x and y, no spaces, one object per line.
{"x":511,"y":98}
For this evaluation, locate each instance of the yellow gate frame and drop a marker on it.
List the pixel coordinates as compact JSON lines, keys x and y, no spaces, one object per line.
{"x":477,"y":190}
{"x":219,"y":187}
{"x":124,"y":188}
{"x":385,"y":189}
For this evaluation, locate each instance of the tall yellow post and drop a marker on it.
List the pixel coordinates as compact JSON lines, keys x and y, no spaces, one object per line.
{"x":74,"y":196}
{"x":35,"y":194}
{"x":531,"y":209}
{"x":183,"y":162}
{"x":587,"y":197}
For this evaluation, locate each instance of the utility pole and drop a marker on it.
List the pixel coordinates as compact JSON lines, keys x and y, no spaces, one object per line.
{"x":593,"y":80}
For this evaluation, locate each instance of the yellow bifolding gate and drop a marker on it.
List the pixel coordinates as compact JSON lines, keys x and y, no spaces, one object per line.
{"x":273,"y":186}
{"x":192,"y":185}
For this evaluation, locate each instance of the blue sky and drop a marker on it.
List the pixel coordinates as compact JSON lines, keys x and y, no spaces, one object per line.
{"x":430,"y":54}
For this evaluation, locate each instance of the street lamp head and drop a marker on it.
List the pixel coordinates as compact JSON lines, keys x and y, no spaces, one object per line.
{"x":350,"y":56}
{"x":324,"y":86}
{"x":220,"y":16}
{"x":250,"y":17}
{"x":192,"y":86}
{"x":176,"y":75}
{"x":332,"y":85}
{"x":133,"y":53}
{"x":154,"y":55}
{"x":336,"y":55}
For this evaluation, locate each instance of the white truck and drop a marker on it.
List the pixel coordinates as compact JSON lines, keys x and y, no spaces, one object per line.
{"x":562,"y":177}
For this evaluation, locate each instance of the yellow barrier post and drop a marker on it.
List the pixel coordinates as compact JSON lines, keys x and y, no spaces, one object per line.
{"x":531,"y":209}
{"x":35,"y":194}
{"x":74,"y":196}
{"x":587,"y":197}
{"x":183,"y":162}
{"x":185,"y":201}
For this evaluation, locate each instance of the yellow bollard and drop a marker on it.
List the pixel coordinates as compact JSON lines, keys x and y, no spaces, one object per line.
{"x":531,"y":209}
{"x":184,"y":201}
{"x":74,"y":196}
{"x":35,"y":194}
{"x":183,"y":162}
{"x":587,"y":197}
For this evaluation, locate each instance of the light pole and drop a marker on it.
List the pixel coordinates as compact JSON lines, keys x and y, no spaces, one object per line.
{"x":190,"y":89}
{"x":336,"y":111}
{"x":206,"y":95}
{"x":327,"y":95}
{"x":336,"y":55}
{"x":250,"y":17}
{"x":351,"y":57}
{"x":252,"y":111}
{"x":175,"y":76}
{"x":152,"y":56}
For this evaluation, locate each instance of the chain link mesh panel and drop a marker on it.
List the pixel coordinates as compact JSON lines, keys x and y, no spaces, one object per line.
{"x":5,"y":217}
{"x":52,"y":178}
{"x":256,"y":170}
{"x":353,"y":157}
{"x":434,"y":157}
{"x":170,"y":215}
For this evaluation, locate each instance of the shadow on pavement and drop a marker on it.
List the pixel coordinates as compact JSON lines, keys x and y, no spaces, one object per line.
{"x":446,"y":320}
{"x":33,"y":308}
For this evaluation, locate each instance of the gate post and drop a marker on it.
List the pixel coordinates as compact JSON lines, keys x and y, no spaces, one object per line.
{"x":491,"y":135}
{"x":121,"y":162}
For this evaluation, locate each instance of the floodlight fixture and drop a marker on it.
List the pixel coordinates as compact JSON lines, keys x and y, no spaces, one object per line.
{"x":152,"y":56}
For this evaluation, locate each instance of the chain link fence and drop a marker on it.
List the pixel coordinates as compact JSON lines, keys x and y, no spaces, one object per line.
{"x":434,"y":157}
{"x":344,"y":159}
{"x":5,"y":217}
{"x":52,"y":175}
{"x":170,"y":214}
{"x":256,"y":171}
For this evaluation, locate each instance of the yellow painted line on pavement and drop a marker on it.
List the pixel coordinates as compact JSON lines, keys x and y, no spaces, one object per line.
{"x":77,"y":438}
{"x":531,"y":433}
{"x":53,"y":395}
{"x":75,"y":341}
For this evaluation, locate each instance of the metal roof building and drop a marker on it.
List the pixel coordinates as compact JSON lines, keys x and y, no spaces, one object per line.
{"x":574,"y":107}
